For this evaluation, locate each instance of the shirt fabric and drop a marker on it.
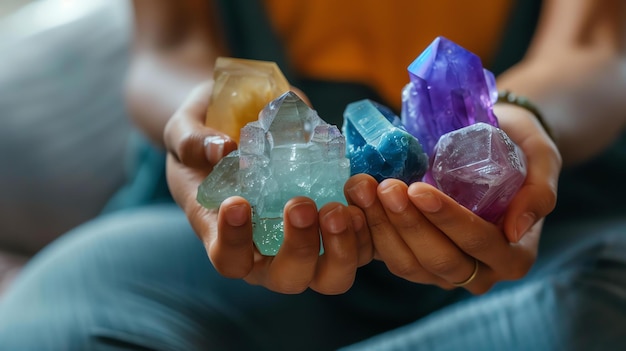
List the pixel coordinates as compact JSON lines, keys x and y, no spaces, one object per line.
{"x":374,"y":42}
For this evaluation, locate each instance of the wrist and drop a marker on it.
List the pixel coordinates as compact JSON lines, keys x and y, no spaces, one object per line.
{"x":507,"y":97}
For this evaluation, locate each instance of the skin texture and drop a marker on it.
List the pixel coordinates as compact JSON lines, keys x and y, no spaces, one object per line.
{"x":421,"y":234}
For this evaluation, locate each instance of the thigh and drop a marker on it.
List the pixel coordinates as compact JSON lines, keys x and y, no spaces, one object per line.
{"x":139,"y":280}
{"x":142,"y":280}
{"x":573,"y":300}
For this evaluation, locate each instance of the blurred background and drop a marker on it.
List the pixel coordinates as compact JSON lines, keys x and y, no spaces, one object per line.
{"x":63,"y":123}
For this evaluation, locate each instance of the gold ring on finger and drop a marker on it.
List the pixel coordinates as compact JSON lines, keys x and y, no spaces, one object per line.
{"x":471,"y":277}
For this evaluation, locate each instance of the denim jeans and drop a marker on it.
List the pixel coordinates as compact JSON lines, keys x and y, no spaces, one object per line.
{"x":141,"y":280}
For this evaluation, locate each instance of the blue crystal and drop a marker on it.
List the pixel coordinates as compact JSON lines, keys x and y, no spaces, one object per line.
{"x":378,"y":144}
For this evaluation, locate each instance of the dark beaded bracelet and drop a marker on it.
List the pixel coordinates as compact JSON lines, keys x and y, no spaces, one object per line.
{"x":508,"y":97}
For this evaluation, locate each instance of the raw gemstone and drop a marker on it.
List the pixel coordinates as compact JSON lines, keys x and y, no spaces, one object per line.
{"x":241,"y":89}
{"x":448,"y":90}
{"x":378,"y":144}
{"x":480,"y":167}
{"x":290,"y":151}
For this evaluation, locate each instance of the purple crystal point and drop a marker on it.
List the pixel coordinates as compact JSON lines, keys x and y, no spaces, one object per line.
{"x":480,"y":167}
{"x":449,"y":90}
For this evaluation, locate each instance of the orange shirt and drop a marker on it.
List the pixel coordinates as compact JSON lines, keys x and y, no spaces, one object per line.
{"x":373,"y":41}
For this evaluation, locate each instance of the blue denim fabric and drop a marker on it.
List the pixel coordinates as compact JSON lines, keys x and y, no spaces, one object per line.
{"x":574,"y":299}
{"x":141,"y":280}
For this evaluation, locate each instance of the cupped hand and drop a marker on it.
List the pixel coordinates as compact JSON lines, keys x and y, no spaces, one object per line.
{"x":426,"y":237}
{"x":298,"y":264}
{"x":537,"y":196}
{"x":193,"y":151}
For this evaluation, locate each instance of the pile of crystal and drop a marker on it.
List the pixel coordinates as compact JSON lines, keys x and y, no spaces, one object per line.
{"x":290,"y":151}
{"x":448,"y":106}
{"x":241,"y":89}
{"x":480,"y":167}
{"x":378,"y":144}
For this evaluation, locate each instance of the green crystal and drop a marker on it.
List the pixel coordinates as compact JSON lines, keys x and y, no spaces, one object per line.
{"x":290,"y":151}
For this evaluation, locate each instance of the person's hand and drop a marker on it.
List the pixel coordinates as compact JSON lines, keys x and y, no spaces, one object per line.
{"x":426,"y":237}
{"x":537,"y":196}
{"x":193,"y":151}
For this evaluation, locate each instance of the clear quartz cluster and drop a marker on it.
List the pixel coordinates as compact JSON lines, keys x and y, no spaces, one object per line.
{"x":290,"y":151}
{"x":448,"y":106}
{"x":378,"y":144}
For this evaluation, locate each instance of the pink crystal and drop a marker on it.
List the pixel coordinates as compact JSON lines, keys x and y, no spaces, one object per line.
{"x":480,"y":167}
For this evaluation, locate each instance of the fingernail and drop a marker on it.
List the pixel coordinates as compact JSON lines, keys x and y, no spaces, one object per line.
{"x":394,"y":198}
{"x":302,"y":215}
{"x":237,"y":215}
{"x":524,"y":222}
{"x":426,"y":201}
{"x":214,"y":148}
{"x":360,"y":194}
{"x":335,"y":221}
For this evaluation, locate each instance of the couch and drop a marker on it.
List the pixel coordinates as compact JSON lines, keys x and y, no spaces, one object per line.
{"x":63,"y":124}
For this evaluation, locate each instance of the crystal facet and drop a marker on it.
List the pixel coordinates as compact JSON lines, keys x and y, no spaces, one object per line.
{"x":480,"y":167}
{"x":290,"y":151}
{"x":378,"y":144}
{"x":241,"y":89}
{"x":449,"y":89}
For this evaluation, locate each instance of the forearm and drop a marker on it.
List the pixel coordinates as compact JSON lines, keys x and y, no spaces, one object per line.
{"x":156,"y":87}
{"x":575,"y":73}
{"x":175,"y":47}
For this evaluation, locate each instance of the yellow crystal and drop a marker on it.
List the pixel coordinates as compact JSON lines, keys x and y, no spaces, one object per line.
{"x":241,"y":89}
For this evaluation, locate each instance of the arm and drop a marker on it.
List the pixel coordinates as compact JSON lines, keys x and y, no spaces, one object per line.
{"x":175,"y":46}
{"x":574,"y":71}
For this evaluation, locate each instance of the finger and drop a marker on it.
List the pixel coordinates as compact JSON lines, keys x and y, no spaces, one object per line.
{"x":473,"y":235}
{"x":479,"y":280}
{"x":360,"y":191}
{"x":293,"y":267}
{"x":457,"y":222}
{"x":364,"y":240}
{"x":336,"y":268}
{"x":187,"y":138}
{"x":183,"y":182}
{"x":537,"y":196}
{"x":231,"y":251}
{"x":435,"y":252}
{"x":532,"y":202}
